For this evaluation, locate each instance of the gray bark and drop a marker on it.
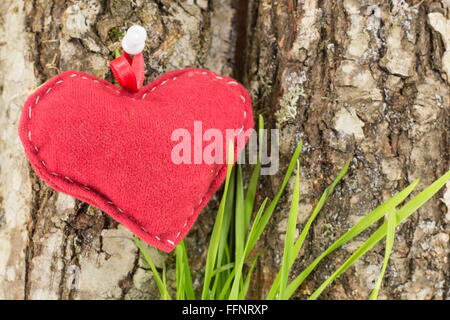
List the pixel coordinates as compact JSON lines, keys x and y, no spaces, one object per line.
{"x":352,"y":85}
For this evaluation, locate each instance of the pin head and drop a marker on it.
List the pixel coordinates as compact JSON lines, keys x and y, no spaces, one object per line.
{"x":134,"y":40}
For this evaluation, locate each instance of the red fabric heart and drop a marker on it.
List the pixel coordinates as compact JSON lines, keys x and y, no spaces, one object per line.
{"x":112,"y":148}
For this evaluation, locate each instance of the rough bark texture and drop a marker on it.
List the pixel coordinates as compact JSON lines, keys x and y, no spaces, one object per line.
{"x":362,"y":80}
{"x":365,"y":80}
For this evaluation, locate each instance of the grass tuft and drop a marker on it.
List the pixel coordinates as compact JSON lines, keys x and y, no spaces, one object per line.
{"x":233,"y":255}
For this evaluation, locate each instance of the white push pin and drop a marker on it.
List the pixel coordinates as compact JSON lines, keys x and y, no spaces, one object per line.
{"x":134,"y":41}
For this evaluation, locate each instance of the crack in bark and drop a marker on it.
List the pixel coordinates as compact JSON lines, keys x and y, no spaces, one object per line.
{"x":241,"y":39}
{"x":127,"y":283}
{"x":38,"y":204}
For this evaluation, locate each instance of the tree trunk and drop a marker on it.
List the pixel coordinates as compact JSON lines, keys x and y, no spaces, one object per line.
{"x":361,"y":80}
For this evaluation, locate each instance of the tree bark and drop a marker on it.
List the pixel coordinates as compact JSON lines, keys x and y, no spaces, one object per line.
{"x":368,"y":81}
{"x":361,"y":80}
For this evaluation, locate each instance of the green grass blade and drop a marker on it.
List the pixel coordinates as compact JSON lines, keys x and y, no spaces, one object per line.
{"x":159,"y":282}
{"x":270,"y":209}
{"x":225,"y":290}
{"x":217,"y":229}
{"x":227,"y":219}
{"x":164,"y":280}
{"x":260,"y":136}
{"x":366,"y":246}
{"x":259,"y":227}
{"x":217,"y":273}
{"x":359,"y":227}
{"x":299,"y":243}
{"x":290,"y":235}
{"x":183,"y":273}
{"x":328,"y":191}
{"x":234,"y":294}
{"x":248,"y":278}
{"x":223,"y":255}
{"x":240,"y":219}
{"x":392,"y":220}
{"x":189,"y":285}
{"x":250,"y":195}
{"x":254,"y":179}
{"x":179,"y":269}
{"x":223,"y":268}
{"x":405,"y":212}
{"x":422,"y":197}
{"x":253,"y":234}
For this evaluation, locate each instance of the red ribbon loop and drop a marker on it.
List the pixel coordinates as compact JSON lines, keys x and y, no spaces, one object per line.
{"x":129,"y":72}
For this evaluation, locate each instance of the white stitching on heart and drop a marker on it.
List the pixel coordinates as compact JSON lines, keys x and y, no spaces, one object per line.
{"x":68,"y":179}
{"x":170,"y":242}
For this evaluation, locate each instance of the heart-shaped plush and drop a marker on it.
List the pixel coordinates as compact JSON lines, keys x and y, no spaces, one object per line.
{"x":113,"y":148}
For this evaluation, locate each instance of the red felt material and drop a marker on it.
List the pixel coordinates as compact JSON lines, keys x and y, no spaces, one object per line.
{"x":112,"y":148}
{"x":129,"y":72}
